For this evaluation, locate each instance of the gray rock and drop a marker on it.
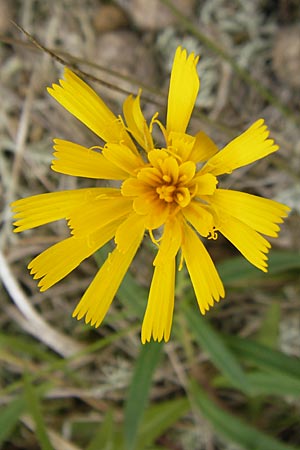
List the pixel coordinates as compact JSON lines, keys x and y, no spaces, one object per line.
{"x":153,"y":15}
{"x":124,"y":53}
{"x":286,"y":56}
{"x":109,"y":17}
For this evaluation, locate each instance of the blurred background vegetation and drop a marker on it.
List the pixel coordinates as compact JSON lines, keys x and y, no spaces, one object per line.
{"x":228,"y":381}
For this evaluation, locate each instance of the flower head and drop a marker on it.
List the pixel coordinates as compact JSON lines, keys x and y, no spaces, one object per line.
{"x":170,"y":192}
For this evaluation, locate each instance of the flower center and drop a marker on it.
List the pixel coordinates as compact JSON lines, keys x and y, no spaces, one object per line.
{"x":162,"y":187}
{"x":170,"y":193}
{"x":167,"y":179}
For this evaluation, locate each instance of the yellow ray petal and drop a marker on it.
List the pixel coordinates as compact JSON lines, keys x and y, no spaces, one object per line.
{"x":186,"y":172}
{"x":59,"y":260}
{"x":205,"y":279}
{"x":250,"y":146}
{"x":180,"y":145}
{"x":159,"y":211}
{"x":203,"y":149}
{"x":200,"y":217}
{"x":158,"y":316}
{"x":251,"y":244}
{"x":40,"y":209}
{"x":156,"y":157}
{"x":79,"y":161}
{"x":98,"y":212}
{"x":82,"y":101}
{"x":122,"y":157}
{"x":136,"y":122}
{"x":98,"y":297}
{"x":183,"y":90}
{"x":132,"y":187}
{"x":261,"y":214}
{"x":133,"y":223}
{"x":206,"y":184}
{"x":170,"y":242}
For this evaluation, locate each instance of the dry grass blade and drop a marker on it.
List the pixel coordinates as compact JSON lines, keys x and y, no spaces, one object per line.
{"x":21,"y":137}
{"x":73,"y":66}
{"x":57,"y":440}
{"x":33,"y":322}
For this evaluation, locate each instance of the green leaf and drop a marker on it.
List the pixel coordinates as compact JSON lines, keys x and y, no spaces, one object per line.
{"x":264,"y":383}
{"x":25,"y":345}
{"x":238,"y":271}
{"x":139,"y":391}
{"x":104,"y":437}
{"x":220,"y":354}
{"x":9,"y":417}
{"x":158,"y":418}
{"x":269,"y":331}
{"x":280,"y":374}
{"x":274,"y":384}
{"x":233,"y":428}
{"x":133,"y":296}
{"x":34,"y":408}
{"x":264,"y":357}
{"x":283,"y":261}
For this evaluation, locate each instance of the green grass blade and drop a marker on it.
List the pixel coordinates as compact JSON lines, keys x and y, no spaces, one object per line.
{"x":104,"y":437}
{"x":133,"y":296}
{"x":265,"y":384}
{"x":34,"y":408}
{"x":139,"y":391}
{"x":220,"y":354}
{"x":283,"y":261}
{"x":269,"y":330}
{"x":274,"y":384}
{"x":238,"y":271}
{"x":26,"y":345}
{"x":9,"y":417}
{"x":159,"y":418}
{"x":264,"y":357}
{"x":233,"y":428}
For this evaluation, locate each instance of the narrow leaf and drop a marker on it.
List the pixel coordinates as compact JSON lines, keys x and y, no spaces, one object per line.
{"x":139,"y":391}
{"x":133,"y":296}
{"x":25,"y":345}
{"x":263,"y":384}
{"x":34,"y":408}
{"x":269,"y":331}
{"x":220,"y":353}
{"x":274,"y":384}
{"x":158,"y":418}
{"x":238,"y":271}
{"x":233,"y":428}
{"x":264,"y":357}
{"x":9,"y":417}
{"x":104,"y":437}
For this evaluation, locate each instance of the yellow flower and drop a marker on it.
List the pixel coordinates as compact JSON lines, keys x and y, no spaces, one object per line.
{"x":169,"y":192}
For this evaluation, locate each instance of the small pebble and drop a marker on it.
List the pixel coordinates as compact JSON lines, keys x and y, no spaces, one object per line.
{"x":125,"y":53}
{"x":153,"y":15}
{"x":286,"y":56}
{"x":6,"y":15}
{"x":108,"y":18}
